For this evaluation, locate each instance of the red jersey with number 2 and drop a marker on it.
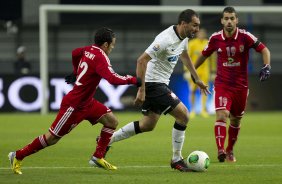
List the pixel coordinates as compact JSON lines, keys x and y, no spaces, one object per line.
{"x":232,"y":57}
{"x":90,"y":65}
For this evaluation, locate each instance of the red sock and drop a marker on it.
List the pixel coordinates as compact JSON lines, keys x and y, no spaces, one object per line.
{"x":103,"y":142}
{"x":233,"y":135}
{"x":220,"y":134}
{"x":36,"y":145}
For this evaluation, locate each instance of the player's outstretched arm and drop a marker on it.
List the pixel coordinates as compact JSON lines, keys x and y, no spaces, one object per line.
{"x":188,"y":63}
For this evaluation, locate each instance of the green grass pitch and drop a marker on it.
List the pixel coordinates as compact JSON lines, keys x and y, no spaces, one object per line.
{"x":144,"y":158}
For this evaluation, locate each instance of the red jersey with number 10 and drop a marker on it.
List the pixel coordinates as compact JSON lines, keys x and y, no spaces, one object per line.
{"x":232,"y":57}
{"x":90,"y":65}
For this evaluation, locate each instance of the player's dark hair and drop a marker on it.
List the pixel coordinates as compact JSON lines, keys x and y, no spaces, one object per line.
{"x":229,"y":9}
{"x":186,"y":16}
{"x":103,"y":35}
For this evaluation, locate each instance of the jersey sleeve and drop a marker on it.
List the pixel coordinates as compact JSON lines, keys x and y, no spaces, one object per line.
{"x":157,"y":47}
{"x":253,"y":42}
{"x":209,"y":48}
{"x":105,"y":70}
{"x":76,"y":56}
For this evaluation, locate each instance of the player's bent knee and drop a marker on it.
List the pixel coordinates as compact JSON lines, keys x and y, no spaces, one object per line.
{"x":111,"y":124}
{"x":109,"y":120}
{"x":235,"y":121}
{"x":51,"y":139}
{"x":222,"y":115}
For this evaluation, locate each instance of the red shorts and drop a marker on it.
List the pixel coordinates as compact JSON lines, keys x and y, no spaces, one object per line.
{"x":232,"y":100}
{"x":69,"y":117}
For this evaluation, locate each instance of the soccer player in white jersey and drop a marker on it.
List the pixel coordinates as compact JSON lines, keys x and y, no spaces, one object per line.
{"x":155,"y":67}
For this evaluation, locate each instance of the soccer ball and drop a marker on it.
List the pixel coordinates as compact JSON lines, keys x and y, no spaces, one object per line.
{"x":198,"y":161}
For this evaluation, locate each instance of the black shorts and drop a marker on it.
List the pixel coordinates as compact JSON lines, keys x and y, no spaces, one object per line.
{"x":159,"y":99}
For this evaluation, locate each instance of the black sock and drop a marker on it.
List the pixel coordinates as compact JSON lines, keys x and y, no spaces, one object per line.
{"x":137,"y":127}
{"x":177,"y":126}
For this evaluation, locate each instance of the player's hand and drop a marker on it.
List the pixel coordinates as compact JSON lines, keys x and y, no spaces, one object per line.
{"x":70,"y":79}
{"x":140,"y":97}
{"x":204,"y":88}
{"x":264,"y":73}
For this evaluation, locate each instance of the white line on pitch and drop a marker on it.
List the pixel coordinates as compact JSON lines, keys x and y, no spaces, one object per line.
{"x":147,"y":166}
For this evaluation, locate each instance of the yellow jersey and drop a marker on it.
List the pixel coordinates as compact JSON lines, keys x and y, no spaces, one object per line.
{"x":195,"y":48}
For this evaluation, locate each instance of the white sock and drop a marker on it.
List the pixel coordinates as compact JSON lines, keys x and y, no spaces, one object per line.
{"x":178,"y":137}
{"x":123,"y":133}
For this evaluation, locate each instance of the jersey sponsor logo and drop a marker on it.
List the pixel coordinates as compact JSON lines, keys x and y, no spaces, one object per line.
{"x":231,"y":63}
{"x":156,"y":47}
{"x":173,"y":58}
{"x":230,"y":60}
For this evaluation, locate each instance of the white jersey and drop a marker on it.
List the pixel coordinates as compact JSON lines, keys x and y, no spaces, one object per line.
{"x":164,"y":51}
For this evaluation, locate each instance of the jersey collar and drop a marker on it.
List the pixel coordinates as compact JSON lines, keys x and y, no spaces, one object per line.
{"x":97,"y":47}
{"x":234,"y":36}
{"x":174,"y":28}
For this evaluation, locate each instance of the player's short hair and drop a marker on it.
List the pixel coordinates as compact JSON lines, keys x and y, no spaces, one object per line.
{"x":103,"y":35}
{"x":186,"y":16}
{"x":229,"y":9}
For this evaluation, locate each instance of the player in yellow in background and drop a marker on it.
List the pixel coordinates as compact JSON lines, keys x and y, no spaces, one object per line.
{"x":206,"y":72}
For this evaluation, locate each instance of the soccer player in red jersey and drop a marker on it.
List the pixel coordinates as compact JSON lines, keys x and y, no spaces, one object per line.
{"x":90,"y":65}
{"x":232,"y":45}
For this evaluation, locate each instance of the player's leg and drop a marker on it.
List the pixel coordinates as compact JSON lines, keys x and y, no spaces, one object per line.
{"x":16,"y":157}
{"x":236,"y":114}
{"x":36,"y":145}
{"x":220,"y":133}
{"x":98,"y":112}
{"x":110,"y":123}
{"x":180,"y":113}
{"x":233,"y":132}
{"x":146,"y":124}
{"x":59,"y":128}
{"x":222,"y":106}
